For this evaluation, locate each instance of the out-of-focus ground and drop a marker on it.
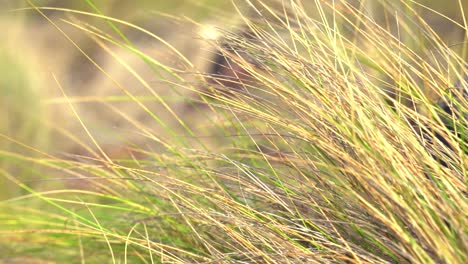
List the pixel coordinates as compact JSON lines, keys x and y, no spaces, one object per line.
{"x":40,"y":57}
{"x":38,"y":61}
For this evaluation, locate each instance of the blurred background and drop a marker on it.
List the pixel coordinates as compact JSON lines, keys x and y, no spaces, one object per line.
{"x":50,"y":88}
{"x":43,"y":54}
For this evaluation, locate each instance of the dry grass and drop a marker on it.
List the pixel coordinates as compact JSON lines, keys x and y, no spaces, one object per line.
{"x":328,"y":146}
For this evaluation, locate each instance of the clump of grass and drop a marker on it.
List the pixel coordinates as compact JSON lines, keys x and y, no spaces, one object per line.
{"x":333,"y":149}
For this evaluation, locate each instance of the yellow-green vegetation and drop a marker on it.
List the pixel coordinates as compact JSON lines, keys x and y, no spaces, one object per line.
{"x":337,"y":134}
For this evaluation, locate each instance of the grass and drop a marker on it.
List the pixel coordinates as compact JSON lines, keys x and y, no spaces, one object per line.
{"x":328,"y":146}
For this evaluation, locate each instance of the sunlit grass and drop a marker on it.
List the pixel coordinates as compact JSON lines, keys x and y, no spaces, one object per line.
{"x":330,"y":145}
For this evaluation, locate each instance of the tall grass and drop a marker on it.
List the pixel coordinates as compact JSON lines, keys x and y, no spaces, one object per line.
{"x":325,"y":142}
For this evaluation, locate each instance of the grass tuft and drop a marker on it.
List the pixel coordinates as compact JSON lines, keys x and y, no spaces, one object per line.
{"x":323,"y":134}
